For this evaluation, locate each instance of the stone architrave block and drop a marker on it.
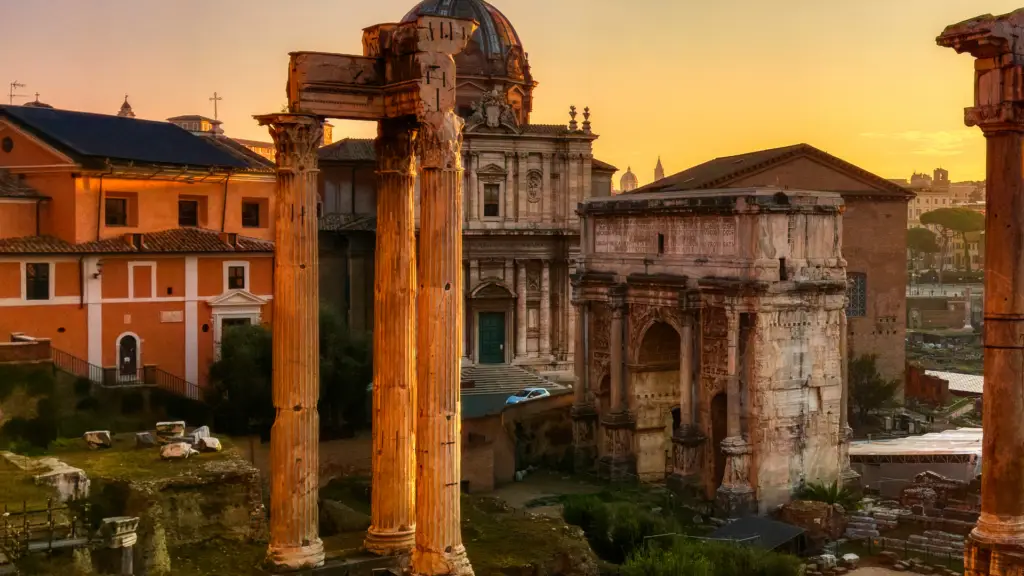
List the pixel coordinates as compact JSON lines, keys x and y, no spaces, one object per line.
{"x":177,"y":451}
{"x":208,"y":444}
{"x":97,"y":439}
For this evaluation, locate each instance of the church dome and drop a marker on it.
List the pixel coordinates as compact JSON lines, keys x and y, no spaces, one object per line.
{"x":628,"y":181}
{"x":494,"y":50}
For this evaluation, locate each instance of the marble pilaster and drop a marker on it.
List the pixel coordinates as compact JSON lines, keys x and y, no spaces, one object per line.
{"x":510,"y":186}
{"x":545,"y":310}
{"x":522,"y":192}
{"x":521,"y":322}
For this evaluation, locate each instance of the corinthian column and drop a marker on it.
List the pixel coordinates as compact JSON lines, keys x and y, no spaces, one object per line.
{"x":439,"y":548}
{"x":735,"y":495}
{"x":393,"y":506}
{"x":294,"y":441}
{"x":996,"y":545}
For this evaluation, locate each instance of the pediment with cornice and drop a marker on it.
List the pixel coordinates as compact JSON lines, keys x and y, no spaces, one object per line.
{"x":236,"y":299}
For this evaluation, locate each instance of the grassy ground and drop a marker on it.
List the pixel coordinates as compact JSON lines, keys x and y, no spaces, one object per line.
{"x":17,"y":487}
{"x":123,"y":461}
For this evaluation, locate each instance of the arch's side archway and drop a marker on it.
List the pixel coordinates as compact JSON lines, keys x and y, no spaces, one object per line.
{"x":653,"y":392}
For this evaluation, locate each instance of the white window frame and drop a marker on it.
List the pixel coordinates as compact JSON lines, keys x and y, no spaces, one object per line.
{"x":131,"y":279}
{"x":239,"y":263}
{"x":117,"y":356}
{"x":51,"y":277}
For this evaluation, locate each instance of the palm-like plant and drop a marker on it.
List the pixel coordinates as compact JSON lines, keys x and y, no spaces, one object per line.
{"x":831,"y":493}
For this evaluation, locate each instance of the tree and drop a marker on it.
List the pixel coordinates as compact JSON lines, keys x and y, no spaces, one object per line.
{"x":242,"y":377}
{"x":958,"y":220}
{"x":921,"y":241}
{"x":830,"y":494}
{"x":869,"y":391}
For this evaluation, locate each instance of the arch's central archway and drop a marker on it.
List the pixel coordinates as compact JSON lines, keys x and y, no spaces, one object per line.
{"x":653,"y":394}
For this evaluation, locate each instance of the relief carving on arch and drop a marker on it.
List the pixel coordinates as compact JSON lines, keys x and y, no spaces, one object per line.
{"x":641,"y":317}
{"x":601,"y":328}
{"x":714,"y":354}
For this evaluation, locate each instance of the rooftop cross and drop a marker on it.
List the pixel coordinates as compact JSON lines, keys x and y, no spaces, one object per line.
{"x":213,"y":99}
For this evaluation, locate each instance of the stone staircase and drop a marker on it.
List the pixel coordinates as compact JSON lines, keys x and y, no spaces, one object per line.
{"x":502,"y":379}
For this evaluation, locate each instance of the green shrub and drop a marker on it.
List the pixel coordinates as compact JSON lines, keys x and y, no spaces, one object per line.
{"x":694,"y":557}
{"x":614,"y":531}
{"x":830,"y":494}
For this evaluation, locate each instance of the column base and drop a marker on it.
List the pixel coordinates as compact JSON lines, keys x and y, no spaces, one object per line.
{"x":617,"y":468}
{"x":390,"y":543}
{"x":454,"y":563}
{"x":735,"y":501}
{"x":294,"y":559}
{"x":356,"y":565}
{"x":619,"y":464}
{"x":685,"y":485}
{"x":986,"y":558}
{"x":584,"y":437}
{"x":850,"y":480}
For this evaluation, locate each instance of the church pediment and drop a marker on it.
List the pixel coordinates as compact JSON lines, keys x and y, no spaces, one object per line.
{"x":236,"y":299}
{"x":492,"y":169}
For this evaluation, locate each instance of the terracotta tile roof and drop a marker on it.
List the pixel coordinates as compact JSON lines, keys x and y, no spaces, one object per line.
{"x":254,"y":161}
{"x":718,"y":173}
{"x":350,"y":150}
{"x":545,"y":129}
{"x":598,"y":164}
{"x":12,"y":187}
{"x":177,"y":240}
{"x":348,"y":223}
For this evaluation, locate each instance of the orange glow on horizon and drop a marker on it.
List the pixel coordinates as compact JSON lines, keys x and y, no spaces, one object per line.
{"x":685,"y":80}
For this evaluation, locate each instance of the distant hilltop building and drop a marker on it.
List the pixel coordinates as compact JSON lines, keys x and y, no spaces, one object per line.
{"x":935,"y":192}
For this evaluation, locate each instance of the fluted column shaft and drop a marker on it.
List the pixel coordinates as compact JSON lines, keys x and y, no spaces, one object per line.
{"x":733,"y":428}
{"x":439,"y":548}
{"x":521,"y":309}
{"x":294,"y":441}
{"x":545,"y":310}
{"x":615,"y":363}
{"x":393,"y":506}
{"x":686,"y":399}
{"x":580,"y":362}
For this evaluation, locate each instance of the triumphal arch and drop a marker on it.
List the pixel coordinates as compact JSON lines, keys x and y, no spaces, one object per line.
{"x":713,"y":343}
{"x":404,"y":81}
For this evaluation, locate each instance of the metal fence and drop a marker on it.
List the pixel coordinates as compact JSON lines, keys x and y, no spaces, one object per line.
{"x":901,"y":550}
{"x":146,"y":376}
{"x":25,"y":530}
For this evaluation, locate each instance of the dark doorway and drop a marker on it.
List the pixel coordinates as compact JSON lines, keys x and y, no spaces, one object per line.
{"x":128,"y":356}
{"x":492,"y":337}
{"x":719,"y":428}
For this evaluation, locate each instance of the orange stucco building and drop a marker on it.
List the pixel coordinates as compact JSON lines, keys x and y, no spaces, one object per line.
{"x":129,"y":242}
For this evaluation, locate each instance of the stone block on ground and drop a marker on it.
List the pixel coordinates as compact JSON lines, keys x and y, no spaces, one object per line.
{"x":70,"y":483}
{"x":145,"y":440}
{"x":170,"y":431}
{"x":851,"y":560}
{"x":899,"y":567}
{"x":209,"y":444}
{"x":336,"y":517}
{"x":201,"y":432}
{"x":177,"y":451}
{"x":97,"y":439}
{"x":889,"y":557}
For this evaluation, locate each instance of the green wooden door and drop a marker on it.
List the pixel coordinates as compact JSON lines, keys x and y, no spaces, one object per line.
{"x":492,"y":337}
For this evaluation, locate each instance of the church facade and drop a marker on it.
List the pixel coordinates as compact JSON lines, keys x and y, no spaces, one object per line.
{"x":523,"y":182}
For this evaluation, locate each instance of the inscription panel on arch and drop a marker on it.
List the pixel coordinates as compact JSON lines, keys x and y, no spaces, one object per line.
{"x":683,"y":235}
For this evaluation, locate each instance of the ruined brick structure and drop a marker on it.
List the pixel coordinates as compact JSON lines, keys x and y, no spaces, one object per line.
{"x":712,"y":339}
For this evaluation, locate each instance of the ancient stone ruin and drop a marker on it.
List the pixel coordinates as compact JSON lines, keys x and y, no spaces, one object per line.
{"x":712,"y":339}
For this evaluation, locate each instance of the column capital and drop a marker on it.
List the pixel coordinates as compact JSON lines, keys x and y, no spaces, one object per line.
{"x":440,"y":141}
{"x":297,"y":137}
{"x":509,"y":154}
{"x":998,"y":44}
{"x":396,"y":147}
{"x":523,"y":155}
{"x":547,"y":155}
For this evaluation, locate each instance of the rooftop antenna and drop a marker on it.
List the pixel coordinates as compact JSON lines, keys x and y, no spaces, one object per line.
{"x":11,"y":95}
{"x":215,"y":99}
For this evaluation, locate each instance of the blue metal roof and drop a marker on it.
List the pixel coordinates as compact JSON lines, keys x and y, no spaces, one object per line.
{"x":101,"y":136}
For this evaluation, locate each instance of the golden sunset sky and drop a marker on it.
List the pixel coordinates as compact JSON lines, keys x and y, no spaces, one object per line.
{"x":688,"y":80}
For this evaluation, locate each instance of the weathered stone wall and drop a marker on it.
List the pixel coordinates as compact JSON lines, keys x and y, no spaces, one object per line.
{"x":653,"y":396}
{"x":796,"y":399}
{"x":478,"y":467}
{"x":925,"y":388}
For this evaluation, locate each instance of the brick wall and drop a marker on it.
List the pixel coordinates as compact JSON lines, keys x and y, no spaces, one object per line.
{"x":924,"y":388}
{"x":23,"y":349}
{"x":478,"y":467}
{"x":936,"y":312}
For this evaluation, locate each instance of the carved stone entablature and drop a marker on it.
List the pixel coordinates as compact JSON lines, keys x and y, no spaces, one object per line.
{"x":492,"y":112}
